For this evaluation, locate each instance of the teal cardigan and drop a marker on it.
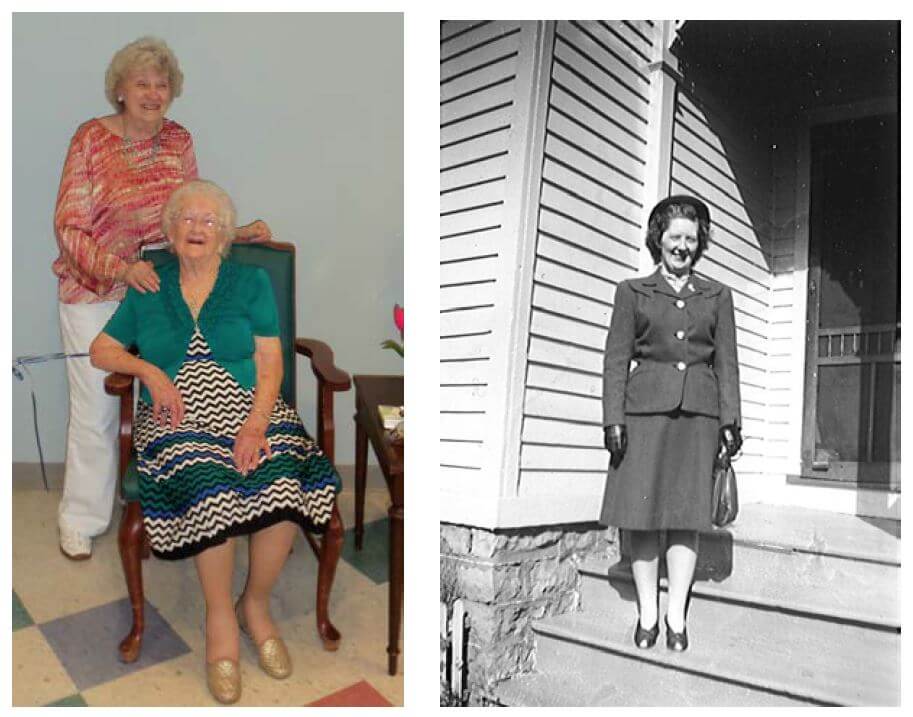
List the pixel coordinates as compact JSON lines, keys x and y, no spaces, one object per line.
{"x":240,"y":307}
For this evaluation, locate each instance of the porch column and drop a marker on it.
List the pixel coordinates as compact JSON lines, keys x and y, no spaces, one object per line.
{"x":664,"y":79}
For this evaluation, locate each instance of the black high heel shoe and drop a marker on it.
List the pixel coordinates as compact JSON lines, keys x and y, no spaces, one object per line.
{"x":645,"y":639}
{"x":676,"y":641}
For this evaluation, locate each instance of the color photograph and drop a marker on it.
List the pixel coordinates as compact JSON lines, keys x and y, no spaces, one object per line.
{"x":207,"y":335}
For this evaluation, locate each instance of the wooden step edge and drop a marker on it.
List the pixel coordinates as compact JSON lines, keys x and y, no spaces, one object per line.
{"x":552,"y":628}
{"x":784,"y":547}
{"x":718,"y":592}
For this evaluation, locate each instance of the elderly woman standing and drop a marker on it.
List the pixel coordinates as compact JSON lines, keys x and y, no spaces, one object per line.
{"x":670,"y":402}
{"x":219,"y":453}
{"x":120,"y":170}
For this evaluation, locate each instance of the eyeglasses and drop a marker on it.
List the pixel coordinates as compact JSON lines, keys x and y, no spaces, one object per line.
{"x":210,"y":223}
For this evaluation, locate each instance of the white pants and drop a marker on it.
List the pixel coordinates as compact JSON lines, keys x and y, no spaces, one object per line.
{"x":91,"y":465}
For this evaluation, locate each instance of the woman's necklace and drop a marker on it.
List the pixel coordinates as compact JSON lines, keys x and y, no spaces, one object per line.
{"x":131,"y":152}
{"x":196,"y":296}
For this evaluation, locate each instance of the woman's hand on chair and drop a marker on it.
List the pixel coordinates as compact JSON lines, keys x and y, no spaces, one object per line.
{"x":141,"y":276}
{"x":167,"y":403}
{"x":257,"y":231}
{"x":249,"y":443}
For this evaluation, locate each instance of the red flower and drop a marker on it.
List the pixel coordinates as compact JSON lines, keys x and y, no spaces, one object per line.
{"x":398,"y":317}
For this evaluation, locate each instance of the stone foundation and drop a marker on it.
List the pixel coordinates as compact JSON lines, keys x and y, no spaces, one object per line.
{"x":508,"y":578}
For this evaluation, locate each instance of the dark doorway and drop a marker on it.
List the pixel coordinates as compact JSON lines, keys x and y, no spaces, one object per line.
{"x":851,"y":429}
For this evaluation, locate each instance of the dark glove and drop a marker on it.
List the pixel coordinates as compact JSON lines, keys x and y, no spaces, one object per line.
{"x":616,"y":442}
{"x":730,"y":439}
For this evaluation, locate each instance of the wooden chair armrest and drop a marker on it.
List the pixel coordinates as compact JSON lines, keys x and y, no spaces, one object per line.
{"x":120,"y":384}
{"x":325,"y":370}
{"x":117,"y":384}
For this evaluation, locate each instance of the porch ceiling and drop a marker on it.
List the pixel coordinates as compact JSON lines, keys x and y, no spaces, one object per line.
{"x":795,"y":65}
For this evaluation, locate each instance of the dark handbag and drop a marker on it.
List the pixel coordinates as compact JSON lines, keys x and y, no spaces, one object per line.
{"x":724,"y":500}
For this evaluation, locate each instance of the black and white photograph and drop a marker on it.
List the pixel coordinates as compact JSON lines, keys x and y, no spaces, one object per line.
{"x":670,"y":363}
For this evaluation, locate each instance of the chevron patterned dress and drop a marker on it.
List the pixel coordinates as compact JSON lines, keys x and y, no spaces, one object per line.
{"x":191,"y":494}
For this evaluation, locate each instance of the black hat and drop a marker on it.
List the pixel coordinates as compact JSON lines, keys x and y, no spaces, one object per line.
{"x":703,"y":213}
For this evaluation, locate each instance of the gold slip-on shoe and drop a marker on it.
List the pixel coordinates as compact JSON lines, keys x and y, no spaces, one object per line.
{"x":223,"y":677}
{"x":273,"y":655}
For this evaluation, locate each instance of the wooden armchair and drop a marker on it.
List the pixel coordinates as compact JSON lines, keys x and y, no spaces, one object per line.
{"x":279,"y":261}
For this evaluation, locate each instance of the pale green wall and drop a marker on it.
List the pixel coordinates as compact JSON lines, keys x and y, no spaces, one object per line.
{"x":299,"y":116}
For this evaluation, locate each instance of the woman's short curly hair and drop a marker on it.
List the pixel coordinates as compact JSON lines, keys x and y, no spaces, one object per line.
{"x":226,"y":209}
{"x":139,"y":54}
{"x":660,"y":221}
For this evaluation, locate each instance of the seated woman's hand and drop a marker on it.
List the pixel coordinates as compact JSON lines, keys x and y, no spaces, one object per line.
{"x":249,"y":442}
{"x":167,"y":403}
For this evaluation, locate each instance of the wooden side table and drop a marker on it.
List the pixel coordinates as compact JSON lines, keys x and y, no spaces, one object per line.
{"x":371,"y":392}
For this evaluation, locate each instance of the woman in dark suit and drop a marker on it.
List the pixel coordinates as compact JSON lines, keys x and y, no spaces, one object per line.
{"x":670,"y":402}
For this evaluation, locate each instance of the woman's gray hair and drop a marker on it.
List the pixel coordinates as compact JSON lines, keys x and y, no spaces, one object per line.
{"x":226,"y":209}
{"x":139,"y":54}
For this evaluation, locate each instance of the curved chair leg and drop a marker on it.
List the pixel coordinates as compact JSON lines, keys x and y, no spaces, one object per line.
{"x":331,"y":547}
{"x":130,"y":541}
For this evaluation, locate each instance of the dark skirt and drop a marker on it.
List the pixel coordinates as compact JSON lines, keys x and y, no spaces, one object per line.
{"x":665,"y":478}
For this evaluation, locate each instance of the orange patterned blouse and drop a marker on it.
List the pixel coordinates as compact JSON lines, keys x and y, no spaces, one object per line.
{"x":110,"y":204}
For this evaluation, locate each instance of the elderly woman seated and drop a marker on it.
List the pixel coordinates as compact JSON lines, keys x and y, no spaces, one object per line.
{"x":219,"y":453}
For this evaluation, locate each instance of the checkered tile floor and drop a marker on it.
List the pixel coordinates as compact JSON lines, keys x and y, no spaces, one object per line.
{"x":68,"y":618}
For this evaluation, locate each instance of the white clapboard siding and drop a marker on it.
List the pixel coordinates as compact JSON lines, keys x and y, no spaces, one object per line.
{"x":479,"y":171}
{"x":464,"y":373}
{"x":590,"y":484}
{"x":561,"y":458}
{"x":467,"y":246}
{"x":560,"y":379}
{"x":480,"y":36}
{"x":596,"y":168}
{"x":565,"y":329}
{"x":462,"y":427}
{"x":473,"y":150}
{"x":553,"y":404}
{"x":460,"y":348}
{"x":558,"y":353}
{"x":452,"y":29}
{"x":465,"y":199}
{"x":464,"y":454}
{"x":573,"y":280}
{"x":461,"y":323}
{"x":485,"y":99}
{"x":565,"y":433}
{"x":466,"y":296}
{"x":580,"y":307}
{"x":478,"y":106}
{"x":635,"y":35}
{"x":591,"y":206}
{"x":490,"y":119}
{"x":468,"y":270}
{"x":463,"y":399}
{"x":474,"y":219}
{"x":564,"y":202}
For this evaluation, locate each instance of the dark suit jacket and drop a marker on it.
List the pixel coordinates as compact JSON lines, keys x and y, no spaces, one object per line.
{"x":684,"y":346}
